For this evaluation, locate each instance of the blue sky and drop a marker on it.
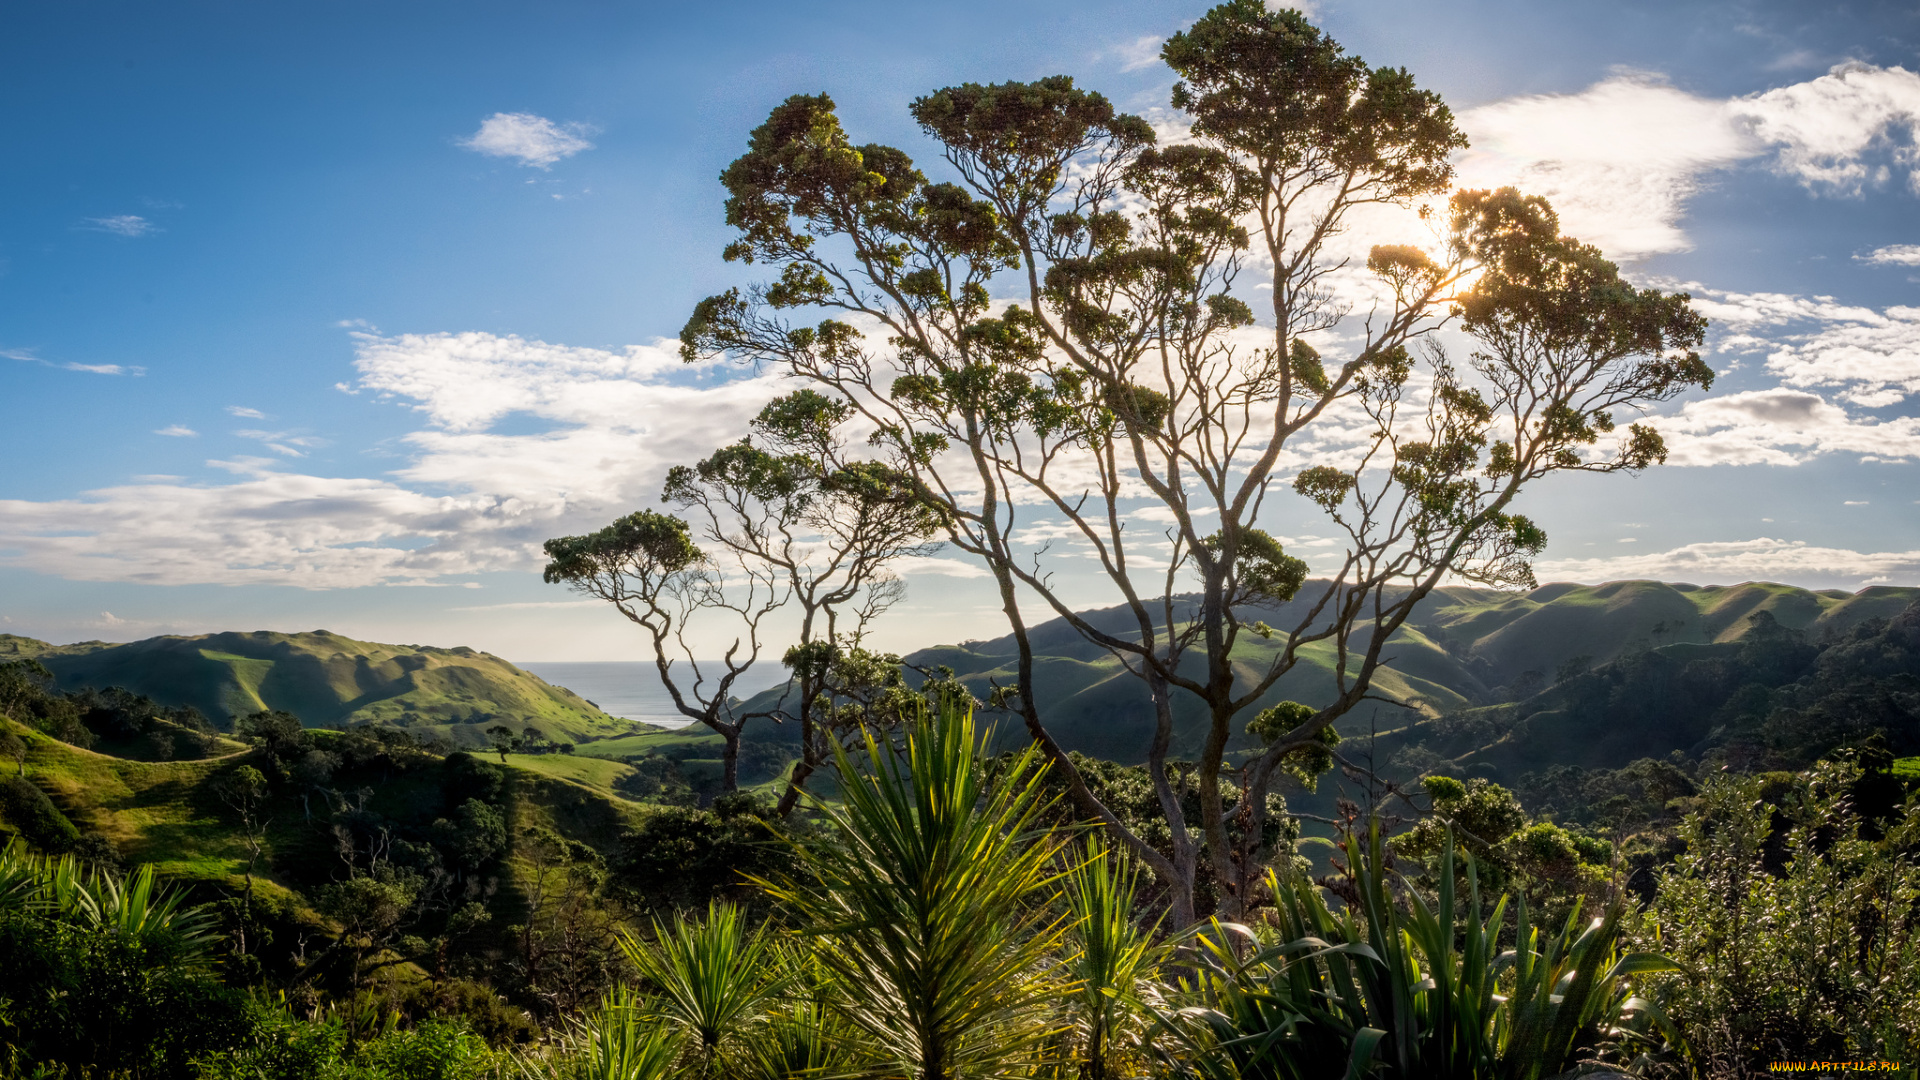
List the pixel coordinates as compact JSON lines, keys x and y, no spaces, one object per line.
{"x":283,"y":345}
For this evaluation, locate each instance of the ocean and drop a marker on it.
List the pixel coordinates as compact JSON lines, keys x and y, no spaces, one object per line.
{"x":633,"y":691}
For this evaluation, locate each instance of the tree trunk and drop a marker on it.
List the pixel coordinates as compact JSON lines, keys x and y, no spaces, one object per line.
{"x":730,"y":762}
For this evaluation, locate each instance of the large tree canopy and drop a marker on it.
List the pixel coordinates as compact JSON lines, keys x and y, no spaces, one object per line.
{"x":1196,"y":333}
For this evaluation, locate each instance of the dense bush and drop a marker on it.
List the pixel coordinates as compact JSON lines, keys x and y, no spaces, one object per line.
{"x":39,"y":822}
{"x":682,"y":857}
{"x":1796,"y":919}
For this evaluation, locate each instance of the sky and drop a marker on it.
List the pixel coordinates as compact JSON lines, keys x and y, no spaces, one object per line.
{"x":325,"y":315}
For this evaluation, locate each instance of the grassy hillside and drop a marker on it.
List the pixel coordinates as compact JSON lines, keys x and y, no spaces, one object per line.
{"x":330,"y":681}
{"x":1760,"y":694}
{"x":1465,"y":650}
{"x":1464,"y":647}
{"x":171,"y":813}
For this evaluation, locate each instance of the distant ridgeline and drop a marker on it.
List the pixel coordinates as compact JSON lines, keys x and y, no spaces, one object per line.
{"x":327,"y":681}
{"x":1498,"y":683}
{"x":1466,"y":652}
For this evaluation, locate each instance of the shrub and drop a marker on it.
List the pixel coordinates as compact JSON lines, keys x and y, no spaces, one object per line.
{"x":39,"y":822}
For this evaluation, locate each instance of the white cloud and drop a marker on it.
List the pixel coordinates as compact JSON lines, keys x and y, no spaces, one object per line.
{"x":245,"y":413}
{"x":1781,"y":426}
{"x":1873,"y":357}
{"x":535,"y":140}
{"x":1141,"y":52}
{"x":178,"y":431}
{"x":1164,"y":515}
{"x":1827,"y":130}
{"x":1729,"y":562}
{"x":284,"y":443}
{"x":1893,"y":255}
{"x":1620,"y":159}
{"x":932,"y":566}
{"x":470,"y":500}
{"x":121,"y":225}
{"x":269,"y":528}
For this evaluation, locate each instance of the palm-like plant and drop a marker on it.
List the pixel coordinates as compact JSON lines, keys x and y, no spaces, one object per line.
{"x":1112,"y":956}
{"x":925,"y":891}
{"x":620,"y":1042}
{"x":803,"y":1036}
{"x":138,"y":907}
{"x":712,"y":976}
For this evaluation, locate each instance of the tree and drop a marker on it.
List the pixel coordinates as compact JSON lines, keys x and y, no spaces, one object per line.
{"x":789,"y":520}
{"x":829,"y":529}
{"x":647,"y":566}
{"x":243,"y":789}
{"x":504,"y":741}
{"x":1135,"y":370}
{"x":15,"y":747}
{"x":279,"y":734}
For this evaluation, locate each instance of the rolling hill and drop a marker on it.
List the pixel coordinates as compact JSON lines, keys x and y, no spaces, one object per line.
{"x":1464,"y":648}
{"x":328,"y":681}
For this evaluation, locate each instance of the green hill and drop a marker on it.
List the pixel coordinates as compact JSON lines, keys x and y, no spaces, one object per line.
{"x":1762,"y":694}
{"x":1463,"y":648}
{"x":328,"y":681}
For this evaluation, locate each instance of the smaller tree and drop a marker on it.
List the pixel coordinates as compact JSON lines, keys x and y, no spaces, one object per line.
{"x":504,"y":741}
{"x":786,"y":520}
{"x":244,"y":789}
{"x":15,"y":747}
{"x":830,"y":531}
{"x":647,"y":566}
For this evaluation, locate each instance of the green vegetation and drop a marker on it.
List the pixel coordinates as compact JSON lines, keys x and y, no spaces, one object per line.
{"x":329,"y":681}
{"x":941,"y":919}
{"x":1630,"y":829}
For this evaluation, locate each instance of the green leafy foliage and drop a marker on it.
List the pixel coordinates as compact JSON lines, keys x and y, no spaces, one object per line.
{"x":1789,"y":911}
{"x":1402,"y":983}
{"x":921,"y":886}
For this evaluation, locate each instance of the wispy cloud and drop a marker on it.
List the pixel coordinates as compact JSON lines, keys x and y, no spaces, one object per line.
{"x":178,"y":431}
{"x":106,"y":369}
{"x":285,"y":443}
{"x":1141,"y":52}
{"x":1892,"y":255}
{"x":121,"y":225}
{"x":1871,"y":356}
{"x":526,"y":605}
{"x":1728,"y":562}
{"x":245,"y":413}
{"x":534,"y":140}
{"x":29,"y":356}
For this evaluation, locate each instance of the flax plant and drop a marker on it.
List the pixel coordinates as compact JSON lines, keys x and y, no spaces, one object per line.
{"x":1398,"y":987}
{"x":803,"y":1036}
{"x":135,"y":907}
{"x":929,"y":894}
